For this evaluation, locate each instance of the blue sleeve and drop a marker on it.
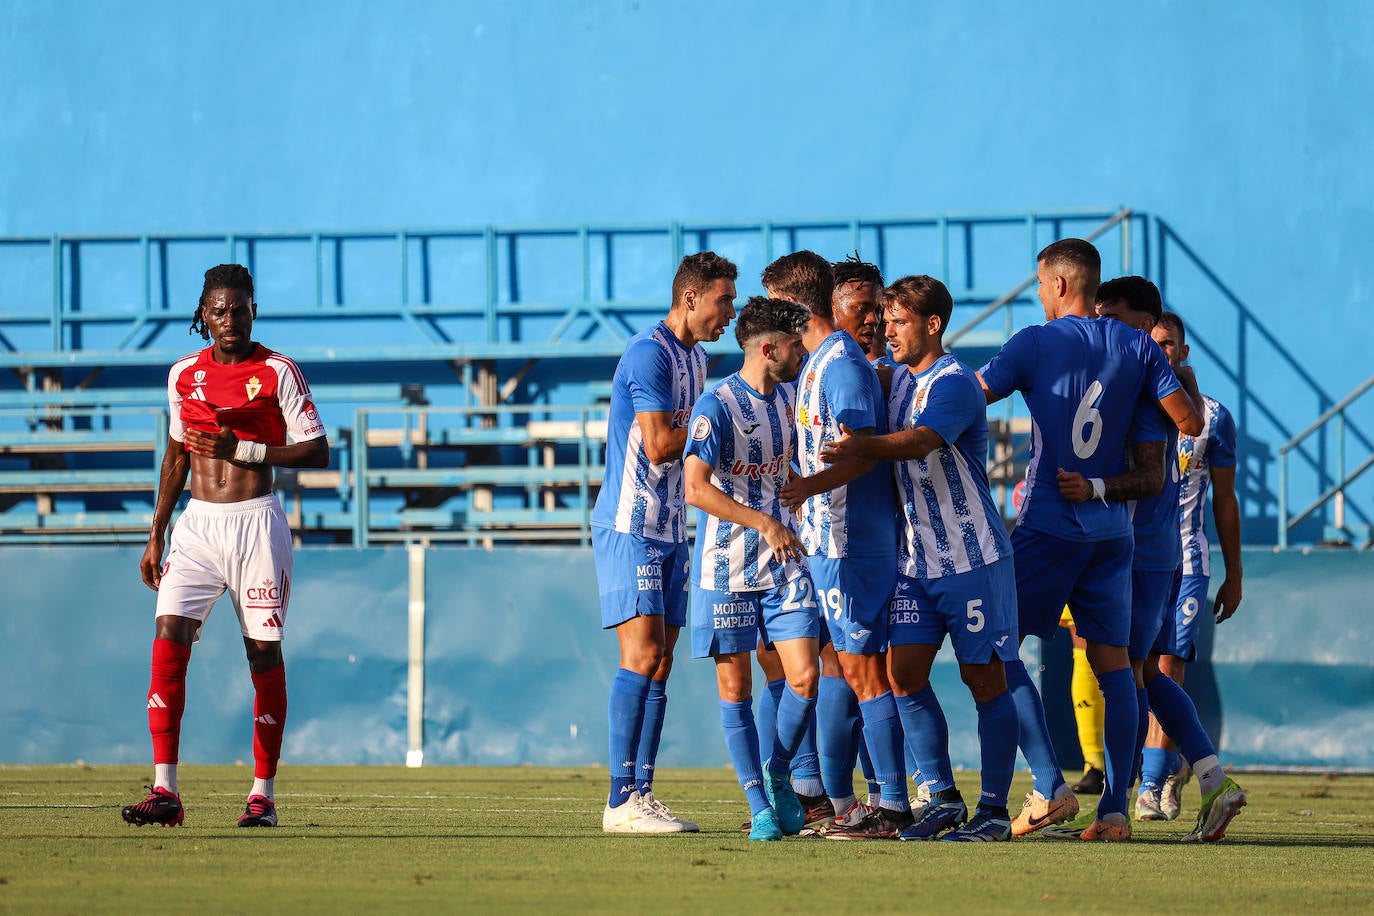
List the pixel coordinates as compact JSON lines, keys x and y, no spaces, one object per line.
{"x":849,"y":388}
{"x":1013,"y":366}
{"x":1159,"y":376}
{"x":649,"y":377}
{"x":709,"y":422}
{"x":1149,"y":423}
{"x":953,"y":403}
{"x":1222,"y":451}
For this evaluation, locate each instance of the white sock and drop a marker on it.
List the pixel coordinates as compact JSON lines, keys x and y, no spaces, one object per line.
{"x":263,"y":787}
{"x":842,"y":805}
{"x":165,"y":777}
{"x":1210,"y":774}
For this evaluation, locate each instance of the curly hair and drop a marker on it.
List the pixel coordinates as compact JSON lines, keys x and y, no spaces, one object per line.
{"x":762,"y":315}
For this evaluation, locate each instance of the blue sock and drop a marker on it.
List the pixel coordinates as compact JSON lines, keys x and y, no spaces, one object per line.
{"x":806,"y":763}
{"x":1121,"y":721}
{"x":742,"y":741}
{"x":1142,"y":701}
{"x":927,"y":737}
{"x":997,"y":731}
{"x":1034,"y":737}
{"x":883,"y":735}
{"x":865,"y":761}
{"x":837,"y":716}
{"x":794,"y":712}
{"x":650,"y":734}
{"x":1154,"y":769}
{"x":768,"y":716}
{"x":628,"y":691}
{"x":1178,"y":716}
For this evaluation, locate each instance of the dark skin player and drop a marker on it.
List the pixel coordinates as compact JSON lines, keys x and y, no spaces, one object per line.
{"x":208,"y":459}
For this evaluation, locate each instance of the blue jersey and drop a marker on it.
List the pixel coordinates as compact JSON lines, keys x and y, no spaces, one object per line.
{"x":839,"y":386}
{"x":1197,"y":455}
{"x":952,"y":524}
{"x":1155,"y":518}
{"x":1081,"y":378}
{"x":655,"y":374}
{"x":748,"y":441}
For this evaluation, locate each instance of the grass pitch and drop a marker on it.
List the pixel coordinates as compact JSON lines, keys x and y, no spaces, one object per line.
{"x":457,"y":840}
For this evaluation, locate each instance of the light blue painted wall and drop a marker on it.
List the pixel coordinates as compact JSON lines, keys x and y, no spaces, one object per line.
{"x":1247,"y":126}
{"x":517,"y":668}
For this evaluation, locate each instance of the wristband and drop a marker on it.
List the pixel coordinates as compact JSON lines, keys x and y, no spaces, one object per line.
{"x":250,"y":452}
{"x":1099,"y":488}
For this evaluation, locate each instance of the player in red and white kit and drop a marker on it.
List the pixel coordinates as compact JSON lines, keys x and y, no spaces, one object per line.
{"x":237,"y":410}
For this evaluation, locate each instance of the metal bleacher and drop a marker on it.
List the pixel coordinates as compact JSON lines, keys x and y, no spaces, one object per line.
{"x":463,"y":372}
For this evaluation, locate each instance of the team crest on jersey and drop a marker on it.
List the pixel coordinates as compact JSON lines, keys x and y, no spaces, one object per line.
{"x":253,"y":386}
{"x":701,"y":429}
{"x":200,"y":376}
{"x":1186,"y":444}
{"x":808,"y":382}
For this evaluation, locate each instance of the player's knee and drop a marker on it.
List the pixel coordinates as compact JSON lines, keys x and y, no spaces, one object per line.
{"x":805,"y":682}
{"x":985,"y":682}
{"x":177,"y":629}
{"x":643,"y":658}
{"x":262,"y":655}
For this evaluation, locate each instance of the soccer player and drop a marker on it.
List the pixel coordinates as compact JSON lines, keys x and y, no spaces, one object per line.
{"x":858,"y":286}
{"x":237,"y":410}
{"x":848,"y":524}
{"x":1081,"y":379}
{"x":955,"y":572}
{"x":639,"y":534}
{"x":1155,"y":579}
{"x":1135,"y":302}
{"x":751,"y":570}
{"x":1207,"y":459}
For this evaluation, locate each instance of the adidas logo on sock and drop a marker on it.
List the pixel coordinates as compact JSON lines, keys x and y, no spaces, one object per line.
{"x":265,"y":719}
{"x":156,"y":702}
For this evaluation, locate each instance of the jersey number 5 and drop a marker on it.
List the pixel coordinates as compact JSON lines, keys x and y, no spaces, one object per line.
{"x":1087,"y":422}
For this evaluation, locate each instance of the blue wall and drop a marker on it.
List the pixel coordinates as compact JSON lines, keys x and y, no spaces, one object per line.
{"x":517,"y":669}
{"x":1245,"y":128}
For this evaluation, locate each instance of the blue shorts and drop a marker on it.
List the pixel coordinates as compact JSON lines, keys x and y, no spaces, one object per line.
{"x":724,"y":623}
{"x":1094,"y":577}
{"x":1154,"y":592}
{"x":977,"y":609}
{"x":639,"y":576}
{"x":1178,"y":634}
{"x":854,"y":593}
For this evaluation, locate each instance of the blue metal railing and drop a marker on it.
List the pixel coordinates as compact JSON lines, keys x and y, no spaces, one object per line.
{"x":1335,"y":493}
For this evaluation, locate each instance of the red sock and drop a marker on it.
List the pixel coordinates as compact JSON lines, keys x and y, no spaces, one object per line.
{"x":269,"y":720}
{"x":167,"y":698}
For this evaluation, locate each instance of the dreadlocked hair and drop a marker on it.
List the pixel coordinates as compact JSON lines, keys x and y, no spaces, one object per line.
{"x":221,"y":276}
{"x":855,"y":270}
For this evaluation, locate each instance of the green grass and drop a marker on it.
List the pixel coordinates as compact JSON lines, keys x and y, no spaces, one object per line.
{"x":458,"y":839}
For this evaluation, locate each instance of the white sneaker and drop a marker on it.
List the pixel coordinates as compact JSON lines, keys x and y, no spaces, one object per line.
{"x":1171,"y":796}
{"x":635,"y":817}
{"x":662,"y":810}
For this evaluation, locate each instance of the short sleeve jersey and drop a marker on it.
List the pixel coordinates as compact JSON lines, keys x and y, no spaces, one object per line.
{"x":264,"y":398}
{"x":655,"y":374}
{"x":1081,"y":378}
{"x":839,"y":386}
{"x":1197,"y":455}
{"x":1155,"y":518}
{"x":952,"y":524}
{"x":748,"y":441}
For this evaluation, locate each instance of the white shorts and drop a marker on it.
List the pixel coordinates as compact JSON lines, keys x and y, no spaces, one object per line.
{"x":243,"y":548}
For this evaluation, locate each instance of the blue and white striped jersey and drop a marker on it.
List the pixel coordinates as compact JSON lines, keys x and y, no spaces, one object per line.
{"x":748,"y":441}
{"x":952,"y":524}
{"x":656,"y":373}
{"x":839,"y":386}
{"x":1216,"y":447}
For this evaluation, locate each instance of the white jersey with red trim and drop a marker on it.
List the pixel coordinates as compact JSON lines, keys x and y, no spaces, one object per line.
{"x":263,"y":399}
